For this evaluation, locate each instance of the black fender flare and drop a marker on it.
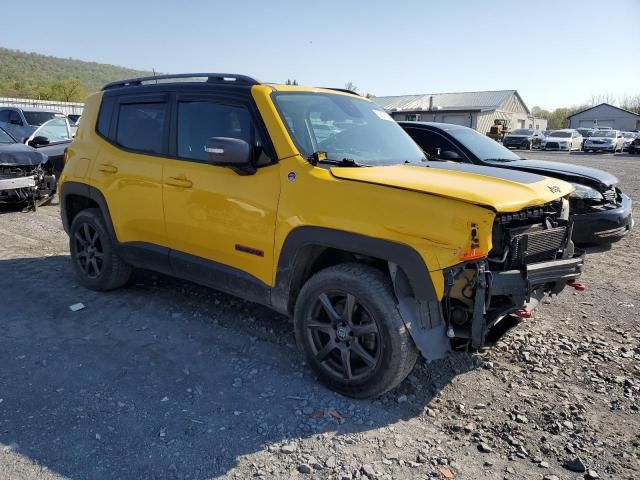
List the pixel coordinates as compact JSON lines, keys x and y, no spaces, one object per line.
{"x":407,"y":259}
{"x":417,"y":300}
{"x":86,"y":191}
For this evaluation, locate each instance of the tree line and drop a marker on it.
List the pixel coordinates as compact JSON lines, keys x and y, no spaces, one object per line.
{"x":32,"y":75}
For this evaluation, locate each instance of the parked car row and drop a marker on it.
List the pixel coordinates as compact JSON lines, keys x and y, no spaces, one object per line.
{"x":587,"y":139}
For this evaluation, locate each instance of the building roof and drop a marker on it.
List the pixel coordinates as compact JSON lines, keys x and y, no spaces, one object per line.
{"x":600,"y":105}
{"x":482,"y":101}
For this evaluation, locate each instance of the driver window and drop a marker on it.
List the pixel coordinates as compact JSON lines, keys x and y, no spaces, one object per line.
{"x":430,"y":142}
{"x":199,"y":121}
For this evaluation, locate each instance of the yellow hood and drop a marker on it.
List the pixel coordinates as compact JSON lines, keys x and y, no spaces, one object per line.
{"x":502,"y":189}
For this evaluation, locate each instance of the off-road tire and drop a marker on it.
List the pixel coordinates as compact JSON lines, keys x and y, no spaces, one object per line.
{"x":114,"y":272}
{"x":373,"y":293}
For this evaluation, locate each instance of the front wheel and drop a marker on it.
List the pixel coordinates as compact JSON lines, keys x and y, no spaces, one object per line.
{"x":348,"y":325}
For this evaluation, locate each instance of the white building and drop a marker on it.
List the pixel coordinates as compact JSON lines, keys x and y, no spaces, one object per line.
{"x":67,"y":108}
{"x":605,"y":115}
{"x":477,"y":110}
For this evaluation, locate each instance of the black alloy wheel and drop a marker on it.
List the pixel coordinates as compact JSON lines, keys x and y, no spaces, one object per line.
{"x":343,"y":336}
{"x":89,"y":252}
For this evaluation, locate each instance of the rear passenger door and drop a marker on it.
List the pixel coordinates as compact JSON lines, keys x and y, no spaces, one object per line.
{"x":128,"y":168}
{"x":220,"y":223}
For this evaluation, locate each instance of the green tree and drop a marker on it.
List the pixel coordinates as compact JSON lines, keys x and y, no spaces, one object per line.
{"x":291,"y":82}
{"x":350,"y":86}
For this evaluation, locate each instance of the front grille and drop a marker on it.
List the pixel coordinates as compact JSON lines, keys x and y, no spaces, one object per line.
{"x":610,"y":196}
{"x":537,"y":246}
{"x":553,"y":145}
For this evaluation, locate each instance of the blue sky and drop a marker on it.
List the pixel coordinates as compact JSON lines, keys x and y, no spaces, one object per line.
{"x":556,"y":53}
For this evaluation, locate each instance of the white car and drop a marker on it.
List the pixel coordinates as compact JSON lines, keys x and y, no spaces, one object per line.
{"x":567,"y":139}
{"x":627,"y":139}
{"x":604,"y":141}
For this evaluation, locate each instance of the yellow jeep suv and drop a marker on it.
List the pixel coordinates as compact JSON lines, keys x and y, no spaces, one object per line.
{"x":316,"y":203}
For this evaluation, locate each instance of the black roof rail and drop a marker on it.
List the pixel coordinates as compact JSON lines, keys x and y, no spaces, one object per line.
{"x":211,"y":78}
{"x":345,"y":90}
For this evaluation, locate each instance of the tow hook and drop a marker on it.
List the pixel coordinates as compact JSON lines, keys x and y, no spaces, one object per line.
{"x":580,"y":287}
{"x":523,"y":313}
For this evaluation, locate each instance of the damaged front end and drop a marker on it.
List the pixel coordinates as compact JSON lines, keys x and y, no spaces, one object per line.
{"x":26,"y":177}
{"x":532,"y":255}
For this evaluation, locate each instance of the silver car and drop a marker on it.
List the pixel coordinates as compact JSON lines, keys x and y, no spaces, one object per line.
{"x":604,"y":141}
{"x":567,"y":139}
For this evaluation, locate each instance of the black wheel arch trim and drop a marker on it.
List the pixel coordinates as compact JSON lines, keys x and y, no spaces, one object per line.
{"x":86,"y":191}
{"x":290,"y":263}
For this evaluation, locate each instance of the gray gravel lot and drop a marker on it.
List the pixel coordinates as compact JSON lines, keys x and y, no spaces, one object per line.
{"x":166,"y":379}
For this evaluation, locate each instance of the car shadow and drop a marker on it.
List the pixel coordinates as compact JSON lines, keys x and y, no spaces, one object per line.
{"x":164,"y":378}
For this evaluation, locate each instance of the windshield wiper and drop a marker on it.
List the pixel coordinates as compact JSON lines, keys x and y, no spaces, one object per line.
{"x":500,"y":159}
{"x":321,"y":157}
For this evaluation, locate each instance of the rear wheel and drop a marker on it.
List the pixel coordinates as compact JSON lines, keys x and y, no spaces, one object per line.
{"x":348,"y":325}
{"x":95,"y":261}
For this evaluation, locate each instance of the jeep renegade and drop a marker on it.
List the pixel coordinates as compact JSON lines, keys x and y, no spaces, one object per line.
{"x":316,"y":203}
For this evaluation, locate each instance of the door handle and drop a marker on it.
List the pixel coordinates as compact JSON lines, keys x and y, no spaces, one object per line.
{"x":107,"y":168}
{"x":180,"y":182}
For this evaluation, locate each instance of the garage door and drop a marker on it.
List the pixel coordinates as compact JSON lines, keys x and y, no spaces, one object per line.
{"x":456,"y":119}
{"x":591,"y":124}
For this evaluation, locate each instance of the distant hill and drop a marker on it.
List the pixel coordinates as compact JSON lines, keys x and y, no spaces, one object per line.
{"x":32,"y":75}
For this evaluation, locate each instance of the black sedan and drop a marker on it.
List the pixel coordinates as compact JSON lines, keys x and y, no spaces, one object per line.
{"x":601,"y":212}
{"x":526,"y":138}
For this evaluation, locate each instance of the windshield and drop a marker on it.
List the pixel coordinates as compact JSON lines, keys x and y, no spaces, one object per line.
{"x":345,"y":128}
{"x":38,"y":118}
{"x":560,"y":134}
{"x":628,"y":135}
{"x":604,"y":133}
{"x":482,"y":146}
{"x":5,"y":137}
{"x":522,"y":131}
{"x":55,"y":130}
{"x":585,"y":131}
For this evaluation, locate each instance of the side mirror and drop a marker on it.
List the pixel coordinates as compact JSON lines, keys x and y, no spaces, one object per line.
{"x":15,"y":121}
{"x":449,"y":155}
{"x":39,"y":141}
{"x":230,"y":152}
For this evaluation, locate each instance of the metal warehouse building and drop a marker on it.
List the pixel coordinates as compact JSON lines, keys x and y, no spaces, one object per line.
{"x":471,"y":109}
{"x":605,"y":115}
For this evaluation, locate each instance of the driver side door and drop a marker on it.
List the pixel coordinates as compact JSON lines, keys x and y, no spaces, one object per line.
{"x":220,"y":224}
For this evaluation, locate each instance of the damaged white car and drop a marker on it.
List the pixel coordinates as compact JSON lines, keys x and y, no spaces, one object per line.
{"x":26,"y":175}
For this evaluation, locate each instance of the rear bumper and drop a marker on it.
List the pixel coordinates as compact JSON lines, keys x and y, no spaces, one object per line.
{"x":603,"y":227}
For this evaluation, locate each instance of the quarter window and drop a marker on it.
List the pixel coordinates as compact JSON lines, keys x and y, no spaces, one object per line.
{"x":141,"y":126}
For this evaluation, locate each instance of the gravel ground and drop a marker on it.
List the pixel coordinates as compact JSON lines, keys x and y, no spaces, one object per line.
{"x":166,"y":379}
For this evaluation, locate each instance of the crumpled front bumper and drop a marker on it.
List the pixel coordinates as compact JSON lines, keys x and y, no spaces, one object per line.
{"x":17,"y":182}
{"x":522,"y":287}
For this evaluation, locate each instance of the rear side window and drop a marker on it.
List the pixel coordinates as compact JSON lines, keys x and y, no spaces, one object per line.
{"x":141,"y":126}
